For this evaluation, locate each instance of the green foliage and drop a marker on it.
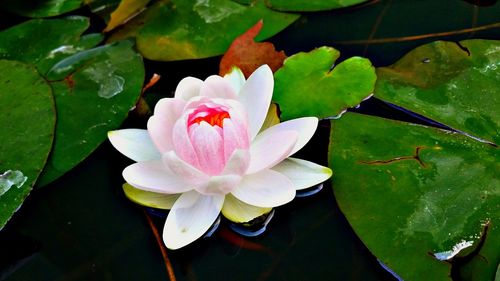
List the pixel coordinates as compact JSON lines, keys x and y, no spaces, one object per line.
{"x":310,"y":6}
{"x":411,"y":191}
{"x":179,"y":30}
{"x":28,"y":119}
{"x":41,"y":8}
{"x":307,"y":85}
{"x":455,"y":84}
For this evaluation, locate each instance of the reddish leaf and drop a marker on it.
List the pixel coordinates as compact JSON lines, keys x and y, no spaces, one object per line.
{"x":248,"y":55}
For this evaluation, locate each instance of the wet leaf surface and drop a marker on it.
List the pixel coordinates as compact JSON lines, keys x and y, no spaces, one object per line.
{"x":180,"y":30}
{"x":44,"y":42}
{"x":94,"y":91}
{"x":41,"y":8}
{"x":310,"y":84}
{"x":25,"y":144}
{"x":455,"y":84}
{"x":412,"y":193}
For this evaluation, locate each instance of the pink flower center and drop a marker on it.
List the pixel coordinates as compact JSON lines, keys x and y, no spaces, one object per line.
{"x":213,"y":116}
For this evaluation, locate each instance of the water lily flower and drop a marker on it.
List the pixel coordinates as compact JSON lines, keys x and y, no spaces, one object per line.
{"x":211,"y":149}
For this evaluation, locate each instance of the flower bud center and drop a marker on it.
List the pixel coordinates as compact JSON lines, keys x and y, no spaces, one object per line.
{"x":213,"y":116}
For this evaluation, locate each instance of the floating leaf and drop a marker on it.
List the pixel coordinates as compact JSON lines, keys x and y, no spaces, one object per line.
{"x":414,"y":194}
{"x":178,"y":30}
{"x":248,"y":55}
{"x":41,"y":8}
{"x":310,"y":6}
{"x":25,"y":97}
{"x":91,"y":100}
{"x":306,"y":85}
{"x":43,"y":42}
{"x":455,"y":84}
{"x":126,"y":10}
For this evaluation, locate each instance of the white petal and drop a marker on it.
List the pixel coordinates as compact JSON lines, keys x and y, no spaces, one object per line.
{"x":236,"y":79}
{"x":256,"y":95}
{"x":188,"y":87}
{"x":272,"y":117}
{"x":190,"y":217}
{"x":303,"y":173}
{"x":219,"y":185}
{"x":240,"y":212}
{"x":150,"y":199}
{"x":154,"y":176}
{"x":268,"y":149}
{"x":266,"y":189}
{"x":161,"y":124}
{"x":237,"y":163}
{"x":305,"y":127}
{"x":135,"y":144}
{"x":183,"y":169}
{"x":217,"y":87}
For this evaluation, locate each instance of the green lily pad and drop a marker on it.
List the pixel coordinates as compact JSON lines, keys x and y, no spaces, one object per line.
{"x":414,"y":194}
{"x":44,"y":42}
{"x":455,"y":84}
{"x":310,"y":6}
{"x":306,"y":85}
{"x":94,"y":91}
{"x":41,"y":8}
{"x":178,"y":30}
{"x":25,"y":97}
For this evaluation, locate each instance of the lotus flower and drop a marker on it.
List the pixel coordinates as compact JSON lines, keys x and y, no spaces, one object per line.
{"x":211,"y":149}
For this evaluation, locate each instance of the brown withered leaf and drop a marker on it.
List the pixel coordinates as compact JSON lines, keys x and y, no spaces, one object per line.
{"x":248,"y":55}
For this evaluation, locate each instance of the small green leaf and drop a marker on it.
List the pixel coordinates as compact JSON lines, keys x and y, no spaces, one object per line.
{"x":41,"y":8}
{"x":91,"y":100}
{"x":456,"y":85}
{"x":306,"y":85}
{"x":28,"y":119}
{"x":178,"y":30}
{"x":414,"y":193}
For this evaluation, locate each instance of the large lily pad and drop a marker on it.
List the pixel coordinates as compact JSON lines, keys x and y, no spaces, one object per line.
{"x":455,"y":84}
{"x":41,"y":8}
{"x":307,"y":85}
{"x":177,"y":30}
{"x":94,"y":91}
{"x":25,"y":145}
{"x":44,"y":42}
{"x":414,"y":194}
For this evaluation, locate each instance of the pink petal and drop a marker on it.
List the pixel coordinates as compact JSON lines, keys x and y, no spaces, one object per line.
{"x":182,"y":143}
{"x":188,"y":87}
{"x":154,"y":176}
{"x":270,"y":148}
{"x":256,"y":96}
{"x":209,"y":148}
{"x":235,"y":137}
{"x":216,"y":87}
{"x":135,"y":144}
{"x":190,"y":217}
{"x":160,"y":125}
{"x":265,"y":189}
